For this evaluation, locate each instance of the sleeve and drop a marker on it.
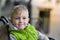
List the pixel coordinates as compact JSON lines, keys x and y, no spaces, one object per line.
{"x":42,"y":36}
{"x":12,"y":37}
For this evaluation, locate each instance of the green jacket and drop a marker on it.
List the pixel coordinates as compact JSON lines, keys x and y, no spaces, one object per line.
{"x":29,"y":33}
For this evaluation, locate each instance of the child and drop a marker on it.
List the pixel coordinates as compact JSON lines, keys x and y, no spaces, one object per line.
{"x":22,"y":30}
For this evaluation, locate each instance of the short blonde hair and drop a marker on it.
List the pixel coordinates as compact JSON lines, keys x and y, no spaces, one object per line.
{"x":18,"y":8}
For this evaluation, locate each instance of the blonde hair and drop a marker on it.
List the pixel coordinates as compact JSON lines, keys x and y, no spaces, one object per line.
{"x":18,"y":8}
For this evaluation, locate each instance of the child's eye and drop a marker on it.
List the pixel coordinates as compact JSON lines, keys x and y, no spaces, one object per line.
{"x":24,"y":18}
{"x":16,"y":18}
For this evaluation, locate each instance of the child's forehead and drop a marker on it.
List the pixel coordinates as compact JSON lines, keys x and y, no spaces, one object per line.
{"x":22,"y":13}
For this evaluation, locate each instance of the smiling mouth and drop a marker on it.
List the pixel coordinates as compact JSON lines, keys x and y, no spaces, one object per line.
{"x":20,"y":24}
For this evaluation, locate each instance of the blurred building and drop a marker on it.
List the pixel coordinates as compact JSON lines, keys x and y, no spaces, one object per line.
{"x":48,"y":11}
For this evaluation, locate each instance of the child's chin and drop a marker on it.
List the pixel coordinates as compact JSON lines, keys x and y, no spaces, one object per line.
{"x":21,"y":27}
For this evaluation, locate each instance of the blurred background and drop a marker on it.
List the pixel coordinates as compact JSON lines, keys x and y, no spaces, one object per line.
{"x":44,"y":14}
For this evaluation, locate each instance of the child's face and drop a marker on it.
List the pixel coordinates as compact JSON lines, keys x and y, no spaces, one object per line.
{"x":20,"y":19}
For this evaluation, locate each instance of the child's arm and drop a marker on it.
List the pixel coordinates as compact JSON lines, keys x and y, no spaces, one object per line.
{"x":12,"y":37}
{"x":42,"y":36}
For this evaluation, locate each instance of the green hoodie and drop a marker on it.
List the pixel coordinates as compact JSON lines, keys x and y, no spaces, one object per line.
{"x":29,"y":33}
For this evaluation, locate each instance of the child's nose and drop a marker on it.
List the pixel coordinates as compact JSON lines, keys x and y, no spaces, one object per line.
{"x":21,"y":20}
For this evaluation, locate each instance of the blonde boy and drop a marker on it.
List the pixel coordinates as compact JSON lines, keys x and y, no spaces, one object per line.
{"x":25,"y":31}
